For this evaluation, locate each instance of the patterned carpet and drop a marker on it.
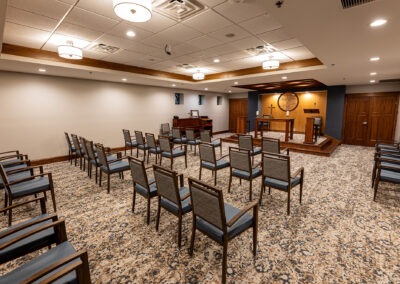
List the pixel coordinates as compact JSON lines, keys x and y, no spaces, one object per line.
{"x":338,"y":234}
{"x":297,"y":137}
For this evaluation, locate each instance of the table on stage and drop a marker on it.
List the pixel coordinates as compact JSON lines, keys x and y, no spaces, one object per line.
{"x":288,"y":129}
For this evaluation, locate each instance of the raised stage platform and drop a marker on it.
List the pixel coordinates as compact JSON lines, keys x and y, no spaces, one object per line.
{"x":324,"y":146}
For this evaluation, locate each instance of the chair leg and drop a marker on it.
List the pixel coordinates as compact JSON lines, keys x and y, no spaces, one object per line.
{"x":215,"y":178}
{"x":133,"y":201}
{"x":261,"y":191}
{"x":108,"y":183}
{"x":148,"y":210}
{"x":301,"y":191}
{"x":137,"y":152}
{"x":200,"y":172}
{"x":251,"y":189}
{"x":230,"y":182}
{"x":376,"y":187}
{"x":125,"y":150}
{"x":288,"y":203}
{"x":5,"y":202}
{"x":193,"y":235}
{"x":185,"y":160}
{"x":269,"y":190}
{"x":101,"y":173}
{"x":158,"y":213}
{"x":131,"y":150}
{"x":148,"y":156}
{"x":220,"y":149}
{"x":96,"y":174}
{"x":180,"y":231}
{"x":172,"y":163}
{"x":160,"y":159}
{"x":224,"y":260}
{"x":240,"y":181}
{"x":255,"y":232}
{"x":9,"y":212}
{"x":53,"y":197}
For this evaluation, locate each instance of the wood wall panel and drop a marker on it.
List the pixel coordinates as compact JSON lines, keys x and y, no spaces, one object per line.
{"x":237,"y":108}
{"x":306,"y":101}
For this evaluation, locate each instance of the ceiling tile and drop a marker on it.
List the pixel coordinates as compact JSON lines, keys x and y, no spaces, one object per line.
{"x":172,"y":36}
{"x":29,"y":19}
{"x":239,"y":12}
{"x":238,"y":32}
{"x":247,"y":42}
{"x":207,"y":22}
{"x":261,"y":24}
{"x":49,"y":8}
{"x":233,"y":56}
{"x":298,"y":53}
{"x":90,"y":20}
{"x":220,"y":50}
{"x":94,"y":55}
{"x":183,"y":49}
{"x":114,"y":41}
{"x":121,"y":29}
{"x":143,"y":48}
{"x":156,"y":24}
{"x":286,"y":44}
{"x":274,"y":36}
{"x":25,"y":36}
{"x":101,"y":7}
{"x":78,"y":31}
{"x":204,"y":42}
{"x":211,"y":3}
{"x":122,"y":57}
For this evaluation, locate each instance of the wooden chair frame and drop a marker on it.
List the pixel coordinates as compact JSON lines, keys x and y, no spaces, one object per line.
{"x":252,"y":146}
{"x":379,"y":168}
{"x":191,"y":130}
{"x":71,"y":150}
{"x":171,"y":149}
{"x":139,"y":134}
{"x":127,"y":134}
{"x":281,"y":151}
{"x":151,"y":137}
{"x":181,"y":136}
{"x":210,"y":140}
{"x":78,"y":147}
{"x":215,"y":170}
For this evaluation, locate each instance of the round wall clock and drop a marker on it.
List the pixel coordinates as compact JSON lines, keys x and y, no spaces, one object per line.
{"x":288,"y":101}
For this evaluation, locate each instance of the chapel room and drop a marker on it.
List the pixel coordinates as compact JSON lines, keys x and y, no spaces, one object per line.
{"x":199,"y":141}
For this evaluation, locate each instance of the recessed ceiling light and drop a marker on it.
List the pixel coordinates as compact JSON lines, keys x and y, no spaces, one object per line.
{"x":372,"y":81}
{"x":206,"y":89}
{"x":124,"y":79}
{"x":216,"y":60}
{"x":42,"y":70}
{"x":173,"y":85}
{"x":374,"y":59}
{"x":236,"y":83}
{"x":378,"y":22}
{"x":230,"y":91}
{"x":372,"y":73}
{"x":130,"y":33}
{"x":284,"y":77}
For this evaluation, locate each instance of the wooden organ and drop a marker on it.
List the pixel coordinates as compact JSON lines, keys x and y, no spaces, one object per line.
{"x":197,"y":123}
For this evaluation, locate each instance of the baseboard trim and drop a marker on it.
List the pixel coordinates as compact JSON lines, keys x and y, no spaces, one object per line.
{"x":221,"y":132}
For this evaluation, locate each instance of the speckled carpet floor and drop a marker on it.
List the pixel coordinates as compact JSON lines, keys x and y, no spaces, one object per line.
{"x":338,"y":234}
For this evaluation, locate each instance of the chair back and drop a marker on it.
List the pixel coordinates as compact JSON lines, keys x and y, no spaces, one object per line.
{"x":76,"y":142}
{"x":167,"y":184}
{"x":207,"y":153}
{"x":68,"y":140}
{"x":271,"y":145}
{"x":165,"y":145}
{"x":246,"y":142}
{"x":276,"y":166}
{"x":240,"y":159}
{"x":138,"y":172}
{"x":90,"y":150}
{"x":101,"y":154}
{"x":3,"y":175}
{"x":83,"y":144}
{"x":165,"y":130}
{"x":127,"y":136}
{"x":176,"y":133}
{"x":190,"y":134}
{"x":139,"y":137}
{"x":208,"y":203}
{"x":151,"y":141}
{"x":205,"y":136}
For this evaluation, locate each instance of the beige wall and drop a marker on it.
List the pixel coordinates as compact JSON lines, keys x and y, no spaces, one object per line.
{"x":35,"y":111}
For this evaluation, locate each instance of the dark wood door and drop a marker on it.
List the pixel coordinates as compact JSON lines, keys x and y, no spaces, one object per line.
{"x":237,"y":107}
{"x":370,"y":118}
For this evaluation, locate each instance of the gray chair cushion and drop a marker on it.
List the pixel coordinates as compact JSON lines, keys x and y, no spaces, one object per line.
{"x":242,"y":224}
{"x":216,"y":143}
{"x":155,"y":150}
{"x":30,"y":187}
{"x":16,"y":167}
{"x":255,"y":151}
{"x":220,"y":164}
{"x":390,"y":176}
{"x":131,"y":144}
{"x":175,"y":153}
{"x":41,"y":262}
{"x":145,"y":146}
{"x":9,"y":161}
{"x":390,"y":157}
{"x":393,"y":165}
{"x":170,"y":206}
{"x":109,"y":159}
{"x":32,"y":243}
{"x":16,"y":177}
{"x":281,"y":184}
{"x":256,"y":172}
{"x":116,"y":167}
{"x":143,"y":191}
{"x":178,"y":140}
{"x":384,"y":146}
{"x":191,"y":142}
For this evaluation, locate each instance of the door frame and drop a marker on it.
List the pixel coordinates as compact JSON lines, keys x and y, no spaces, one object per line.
{"x":373,"y":94}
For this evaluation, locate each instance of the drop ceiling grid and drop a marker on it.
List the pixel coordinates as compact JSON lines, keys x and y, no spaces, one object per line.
{"x":95,"y":21}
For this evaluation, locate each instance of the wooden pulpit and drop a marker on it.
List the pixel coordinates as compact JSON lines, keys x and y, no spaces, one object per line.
{"x":241,"y":125}
{"x":309,"y":131}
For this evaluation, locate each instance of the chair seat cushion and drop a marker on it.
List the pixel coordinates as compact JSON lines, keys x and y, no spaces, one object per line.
{"x":281,"y":184}
{"x":32,"y":186}
{"x":16,"y":167}
{"x":171,"y":206}
{"x":116,"y":167}
{"x":180,"y":140}
{"x":155,"y":150}
{"x":393,"y":165}
{"x":384,"y":146}
{"x":239,"y":226}
{"x":131,"y":144}
{"x":41,"y":262}
{"x":256,"y":172}
{"x":9,"y":162}
{"x":175,"y":153}
{"x":31,"y":243}
{"x":255,"y":151}
{"x":220,"y":164}
{"x":16,"y":177}
{"x":145,"y":146}
{"x":390,"y":176}
{"x":143,"y":191}
{"x":193,"y":142}
{"x":216,"y":143}
{"x":395,"y":158}
{"x":109,"y":159}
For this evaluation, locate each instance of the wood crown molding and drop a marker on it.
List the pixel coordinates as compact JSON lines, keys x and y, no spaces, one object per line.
{"x":53,"y":56}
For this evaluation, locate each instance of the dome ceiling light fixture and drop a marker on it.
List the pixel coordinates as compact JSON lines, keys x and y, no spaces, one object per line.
{"x":270,"y":64}
{"x":137,"y":11}
{"x":69,"y":51}
{"x":198,"y":75}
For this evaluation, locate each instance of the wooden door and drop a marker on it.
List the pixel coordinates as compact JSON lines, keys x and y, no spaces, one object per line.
{"x":237,"y":107}
{"x":370,"y":118}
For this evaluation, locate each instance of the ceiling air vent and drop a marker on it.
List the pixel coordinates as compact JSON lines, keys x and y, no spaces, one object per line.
{"x":261,"y":49}
{"x":178,"y":10}
{"x":103,"y":48}
{"x":390,"y":81}
{"x":186,"y":66}
{"x":352,"y":3}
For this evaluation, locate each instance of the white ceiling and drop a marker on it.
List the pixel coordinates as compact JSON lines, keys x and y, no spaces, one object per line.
{"x":299,"y":30}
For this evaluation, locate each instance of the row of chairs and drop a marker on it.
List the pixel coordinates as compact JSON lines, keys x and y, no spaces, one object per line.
{"x":61,"y":263}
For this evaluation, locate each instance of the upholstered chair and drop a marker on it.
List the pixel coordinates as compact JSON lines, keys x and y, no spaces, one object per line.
{"x":209,"y":161}
{"x":78,"y":147}
{"x":85,"y":156}
{"x":272,"y":145}
{"x":153,"y":147}
{"x":71,"y":149}
{"x":166,"y":130}
{"x":167,"y":151}
{"x":142,"y":184}
{"x":17,"y":174}
{"x":218,"y":220}
{"x":385,"y":157}
{"x":246,"y":142}
{"x":141,"y":144}
{"x":129,"y":143}
{"x":386,"y":169}
{"x":110,"y":167}
{"x":276,"y":174}
{"x":13,"y":160}
{"x":240,"y":167}
{"x":206,"y":136}
{"x":94,"y":160}
{"x":266,"y":124}
{"x":192,"y":140}
{"x":173,"y":197}
{"x":32,"y":185}
{"x":177,"y":136}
